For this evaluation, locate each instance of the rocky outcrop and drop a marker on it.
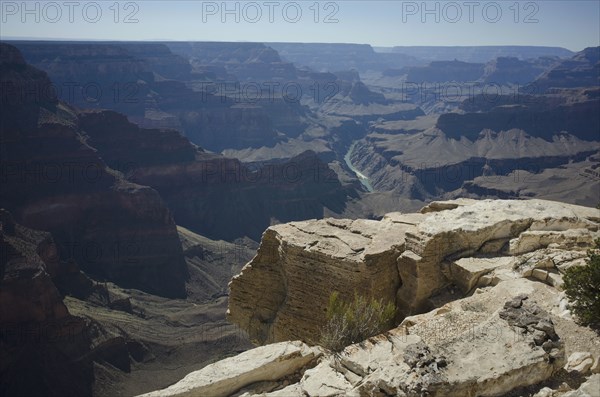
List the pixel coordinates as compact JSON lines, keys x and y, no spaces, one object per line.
{"x":300,"y":260}
{"x":500,"y":339}
{"x":54,"y":181}
{"x":264,"y":364}
{"x":506,"y":333}
{"x":405,"y":258}
{"x":464,"y":232}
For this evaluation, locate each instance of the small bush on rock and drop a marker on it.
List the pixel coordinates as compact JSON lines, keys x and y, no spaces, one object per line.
{"x":582,"y":287}
{"x":355,"y":321}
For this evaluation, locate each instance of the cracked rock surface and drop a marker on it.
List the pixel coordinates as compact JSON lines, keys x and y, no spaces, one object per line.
{"x":477,"y":285}
{"x":282,"y":294}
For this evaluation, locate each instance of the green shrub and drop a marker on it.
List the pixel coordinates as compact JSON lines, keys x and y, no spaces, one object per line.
{"x":355,"y":321}
{"x":582,"y":287}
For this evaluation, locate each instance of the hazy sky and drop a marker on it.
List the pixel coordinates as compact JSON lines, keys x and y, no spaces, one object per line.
{"x":570,"y":24}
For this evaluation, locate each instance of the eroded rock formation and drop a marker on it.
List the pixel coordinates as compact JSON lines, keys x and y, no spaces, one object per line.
{"x":486,"y":274}
{"x":53,"y":180}
{"x":43,"y":346}
{"x":217,"y":196}
{"x":405,"y":258}
{"x":280,"y":294}
{"x":501,"y":339}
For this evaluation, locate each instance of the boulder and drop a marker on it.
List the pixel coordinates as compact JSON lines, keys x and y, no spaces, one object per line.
{"x":533,"y":240}
{"x":436,"y":206}
{"x":466,"y":272}
{"x":324,"y":381}
{"x":580,"y":362}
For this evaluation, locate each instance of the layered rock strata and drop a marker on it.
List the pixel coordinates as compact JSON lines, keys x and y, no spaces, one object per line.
{"x":408,"y":259}
{"x":53,"y":180}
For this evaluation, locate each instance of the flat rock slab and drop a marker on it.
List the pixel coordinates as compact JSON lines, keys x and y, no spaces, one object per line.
{"x":467,"y":271}
{"x":221,"y":379}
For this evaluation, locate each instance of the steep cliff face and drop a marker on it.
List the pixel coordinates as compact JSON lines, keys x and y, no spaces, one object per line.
{"x":409,"y":259}
{"x":329,"y":57}
{"x":152,"y":86}
{"x":428,"y":164}
{"x":247,"y":61}
{"x":93,"y":76}
{"x":124,"y":146}
{"x":222,"y":198}
{"x":303,"y":262}
{"x":56,"y":182}
{"x":216,"y":196}
{"x":540,"y":117}
{"x":582,"y":70}
{"x":43,"y":346}
{"x":510,"y":70}
{"x":481,"y":53}
{"x":441,"y":71}
{"x":159,"y":58}
{"x":504,"y":70}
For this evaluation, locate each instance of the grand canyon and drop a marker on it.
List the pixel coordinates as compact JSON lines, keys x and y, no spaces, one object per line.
{"x":175,"y":216}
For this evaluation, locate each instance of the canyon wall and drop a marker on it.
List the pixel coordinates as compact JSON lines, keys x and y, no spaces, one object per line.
{"x":53,"y":180}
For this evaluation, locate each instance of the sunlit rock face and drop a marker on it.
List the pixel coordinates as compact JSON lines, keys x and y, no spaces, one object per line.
{"x":476,"y":282}
{"x":409,"y":259}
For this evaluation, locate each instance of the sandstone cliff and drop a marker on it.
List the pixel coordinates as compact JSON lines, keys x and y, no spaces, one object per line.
{"x":485,"y":274}
{"x":405,"y":258}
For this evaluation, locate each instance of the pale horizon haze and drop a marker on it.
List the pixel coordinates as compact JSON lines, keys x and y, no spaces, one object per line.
{"x":570,"y":24}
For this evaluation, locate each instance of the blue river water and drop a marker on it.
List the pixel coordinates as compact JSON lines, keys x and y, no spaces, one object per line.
{"x":361,"y":177}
